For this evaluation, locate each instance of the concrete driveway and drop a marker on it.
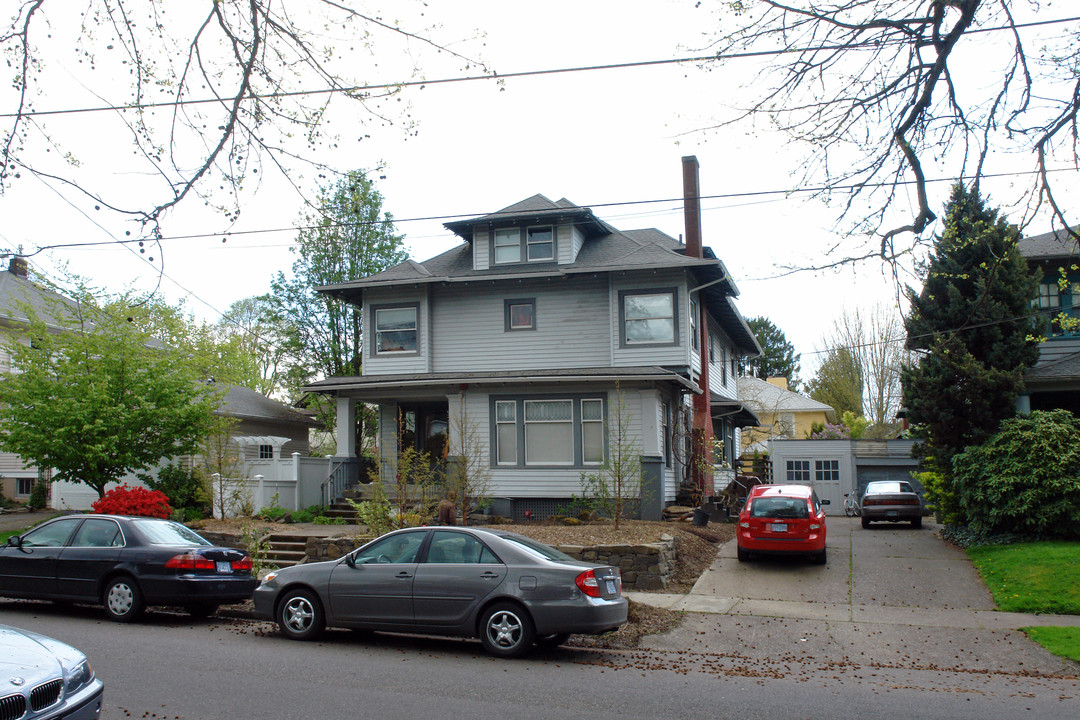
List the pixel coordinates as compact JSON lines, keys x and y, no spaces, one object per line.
{"x":890,"y":595}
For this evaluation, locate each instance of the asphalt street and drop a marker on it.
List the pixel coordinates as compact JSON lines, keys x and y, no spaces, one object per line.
{"x":895,"y":625}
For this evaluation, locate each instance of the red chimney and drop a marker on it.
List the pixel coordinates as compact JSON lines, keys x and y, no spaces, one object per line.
{"x":702,"y":430}
{"x":18,"y":267}
{"x":691,"y":205}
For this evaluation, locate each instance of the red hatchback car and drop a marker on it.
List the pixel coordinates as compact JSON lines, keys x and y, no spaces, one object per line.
{"x":782,"y":520}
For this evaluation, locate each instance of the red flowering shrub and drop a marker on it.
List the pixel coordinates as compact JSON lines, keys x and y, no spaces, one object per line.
{"x":126,"y":500}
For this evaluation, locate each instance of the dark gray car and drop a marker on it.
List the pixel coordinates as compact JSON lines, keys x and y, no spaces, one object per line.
{"x":891,"y":501}
{"x":508,"y":590}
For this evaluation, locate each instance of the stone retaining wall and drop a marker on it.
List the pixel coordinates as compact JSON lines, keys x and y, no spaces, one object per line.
{"x":643,"y":567}
{"x":320,"y":548}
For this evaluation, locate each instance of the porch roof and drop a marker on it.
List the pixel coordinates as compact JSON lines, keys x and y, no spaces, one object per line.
{"x":741,"y":414}
{"x":372,"y":386}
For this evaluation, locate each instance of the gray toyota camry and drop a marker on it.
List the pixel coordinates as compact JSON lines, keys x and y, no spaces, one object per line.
{"x":510,"y":591}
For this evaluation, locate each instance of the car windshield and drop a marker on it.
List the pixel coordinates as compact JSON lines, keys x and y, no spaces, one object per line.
{"x":535,"y":548}
{"x":888,"y":487}
{"x":780,"y":507}
{"x":166,"y":532}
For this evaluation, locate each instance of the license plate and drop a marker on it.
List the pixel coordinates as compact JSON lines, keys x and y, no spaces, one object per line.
{"x":224,"y":566}
{"x":778,"y":527}
{"x":610,"y":586}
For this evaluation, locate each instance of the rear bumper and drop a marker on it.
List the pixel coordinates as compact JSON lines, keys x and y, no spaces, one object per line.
{"x":188,"y":589}
{"x":584,"y":615}
{"x":892,"y":512}
{"x":814,"y":543}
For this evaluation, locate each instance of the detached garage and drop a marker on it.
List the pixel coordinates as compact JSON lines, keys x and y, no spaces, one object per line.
{"x":836,"y":467}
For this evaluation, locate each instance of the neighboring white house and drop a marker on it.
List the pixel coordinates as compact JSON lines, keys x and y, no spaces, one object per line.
{"x":527,"y":328}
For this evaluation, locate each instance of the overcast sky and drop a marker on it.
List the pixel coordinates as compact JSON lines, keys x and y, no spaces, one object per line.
{"x":611,"y":140}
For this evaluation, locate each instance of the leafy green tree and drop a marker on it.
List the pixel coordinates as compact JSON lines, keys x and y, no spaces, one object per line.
{"x":93,"y":396}
{"x":838,"y":382}
{"x":351,"y":238}
{"x":974,"y":331}
{"x":778,"y":356}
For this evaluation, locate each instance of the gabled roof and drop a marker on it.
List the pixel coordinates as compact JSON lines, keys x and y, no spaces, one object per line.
{"x":1051,"y":245}
{"x":18,"y":292}
{"x":764,"y":397}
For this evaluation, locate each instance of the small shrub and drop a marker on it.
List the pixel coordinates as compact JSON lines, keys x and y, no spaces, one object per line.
{"x":39,"y":495}
{"x":272,"y":514}
{"x":303,"y":516}
{"x":324,"y":520}
{"x":127,"y":500}
{"x":183,"y":488}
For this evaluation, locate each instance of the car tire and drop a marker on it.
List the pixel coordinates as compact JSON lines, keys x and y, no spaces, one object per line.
{"x":916,"y":523}
{"x":506,"y":630}
{"x":550,"y":641}
{"x":300,"y":615}
{"x":819,"y":558}
{"x":743,"y":555}
{"x":865,"y":522}
{"x":123,"y":599}
{"x":201,"y":610}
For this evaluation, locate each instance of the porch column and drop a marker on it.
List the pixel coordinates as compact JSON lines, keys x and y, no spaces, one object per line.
{"x":346,"y":427}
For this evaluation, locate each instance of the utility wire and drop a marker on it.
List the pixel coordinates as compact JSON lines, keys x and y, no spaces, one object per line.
{"x":521,"y":74}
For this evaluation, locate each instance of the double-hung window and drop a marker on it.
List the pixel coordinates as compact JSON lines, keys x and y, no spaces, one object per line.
{"x":549,"y":432}
{"x":649,"y":318}
{"x":395,"y":329}
{"x":592,"y":432}
{"x":1049,"y":295}
{"x":506,"y":432}
{"x":541,"y":243}
{"x":507,"y":245}
{"x":694,"y":339}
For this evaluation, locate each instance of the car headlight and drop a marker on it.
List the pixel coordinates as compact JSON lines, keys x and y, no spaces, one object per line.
{"x":78,"y":678}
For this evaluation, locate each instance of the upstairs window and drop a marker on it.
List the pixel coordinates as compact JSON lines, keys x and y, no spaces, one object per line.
{"x":507,"y":245}
{"x":520,"y":314}
{"x":1049,"y":295}
{"x":649,"y":318}
{"x":534,"y":244}
{"x":541,"y":242}
{"x":395,"y":330}
{"x":695,"y":341}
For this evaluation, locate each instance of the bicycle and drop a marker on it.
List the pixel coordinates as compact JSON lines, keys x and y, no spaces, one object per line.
{"x":851,"y":505}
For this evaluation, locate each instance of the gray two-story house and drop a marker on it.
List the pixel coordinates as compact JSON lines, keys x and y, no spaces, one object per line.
{"x":534,"y":328}
{"x":1054,"y":381}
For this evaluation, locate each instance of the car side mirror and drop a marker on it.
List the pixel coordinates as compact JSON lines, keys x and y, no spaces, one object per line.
{"x":15,"y":541}
{"x":350,"y":560}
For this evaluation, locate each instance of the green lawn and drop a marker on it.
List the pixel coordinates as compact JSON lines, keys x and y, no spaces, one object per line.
{"x":1037,"y":577}
{"x":1063,"y":641}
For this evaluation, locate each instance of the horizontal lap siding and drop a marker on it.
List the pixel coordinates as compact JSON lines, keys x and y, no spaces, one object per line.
{"x":572,"y":329}
{"x":10,"y":463}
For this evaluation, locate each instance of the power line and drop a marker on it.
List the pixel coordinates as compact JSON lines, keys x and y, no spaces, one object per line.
{"x":521,"y":74}
{"x":494,"y":215}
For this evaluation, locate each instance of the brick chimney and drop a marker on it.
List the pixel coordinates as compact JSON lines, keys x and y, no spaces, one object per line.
{"x":702,"y":429}
{"x":18,"y":266}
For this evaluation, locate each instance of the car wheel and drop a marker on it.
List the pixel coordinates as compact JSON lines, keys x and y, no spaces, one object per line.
{"x":819,"y":558}
{"x":550,"y":641}
{"x":300,"y":615}
{"x":202,"y":610}
{"x":506,"y":630}
{"x":865,"y":522}
{"x":743,"y":555}
{"x":916,"y":523}
{"x":122,"y":599}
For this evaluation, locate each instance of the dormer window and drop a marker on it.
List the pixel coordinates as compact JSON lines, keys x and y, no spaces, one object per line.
{"x":534,"y":244}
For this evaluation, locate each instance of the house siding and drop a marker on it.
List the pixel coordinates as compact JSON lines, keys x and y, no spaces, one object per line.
{"x":677,"y":354}
{"x":572,"y":328}
{"x":419,"y":362}
{"x":481,"y":247}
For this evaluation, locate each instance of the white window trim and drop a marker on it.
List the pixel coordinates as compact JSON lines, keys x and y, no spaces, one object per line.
{"x":495,"y":246}
{"x":512,"y":423}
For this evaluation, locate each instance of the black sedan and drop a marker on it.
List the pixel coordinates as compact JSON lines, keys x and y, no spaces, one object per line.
{"x":891,"y":501}
{"x":510,"y":591}
{"x":45,"y":679}
{"x":125,"y":564}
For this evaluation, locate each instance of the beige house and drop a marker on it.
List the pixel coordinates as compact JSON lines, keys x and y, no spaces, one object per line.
{"x":783,"y":413}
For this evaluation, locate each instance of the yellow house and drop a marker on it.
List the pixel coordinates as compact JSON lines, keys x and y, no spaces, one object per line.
{"x":783,"y":413}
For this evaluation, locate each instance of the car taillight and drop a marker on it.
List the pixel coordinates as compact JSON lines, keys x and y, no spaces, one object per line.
{"x":189,"y":561}
{"x":588,"y":584}
{"x":243,"y":563}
